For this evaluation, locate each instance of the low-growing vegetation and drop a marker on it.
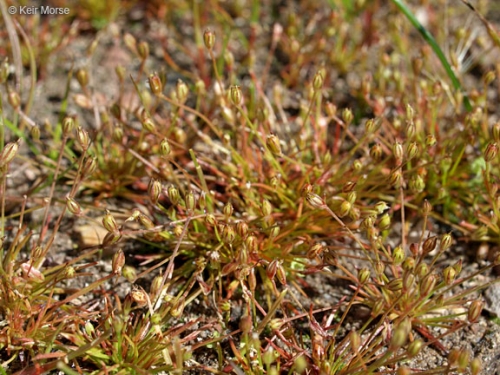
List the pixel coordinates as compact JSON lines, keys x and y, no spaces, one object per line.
{"x":247,"y":187}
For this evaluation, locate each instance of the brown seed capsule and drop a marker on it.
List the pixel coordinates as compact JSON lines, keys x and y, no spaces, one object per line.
{"x":429,"y":245}
{"x":427,"y":285}
{"x":242,"y":228}
{"x":154,"y":190}
{"x":475,"y":309}
{"x":118,"y":262}
{"x":155,"y":84}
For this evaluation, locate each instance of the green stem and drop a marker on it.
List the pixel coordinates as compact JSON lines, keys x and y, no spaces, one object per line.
{"x":435,"y":47}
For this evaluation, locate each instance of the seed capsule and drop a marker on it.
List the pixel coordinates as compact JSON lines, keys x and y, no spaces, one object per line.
{"x":273,"y":143}
{"x":8,"y":153}
{"x":155,"y":84}
{"x":209,"y":39}
{"x":118,"y":262}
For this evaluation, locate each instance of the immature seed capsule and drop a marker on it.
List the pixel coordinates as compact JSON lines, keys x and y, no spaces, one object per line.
{"x":143,"y":50}
{"x":273,"y":143}
{"x":235,"y":95}
{"x":228,"y":210}
{"x":67,"y":125}
{"x":173,"y":194}
{"x":165,"y":148}
{"x":109,"y":223}
{"x":8,"y":153}
{"x":491,"y":152}
{"x":73,"y":206}
{"x":209,"y":39}
{"x":154,"y":190}
{"x":363,"y":275}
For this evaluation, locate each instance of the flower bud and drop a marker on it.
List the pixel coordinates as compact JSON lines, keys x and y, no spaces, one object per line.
{"x":165,"y":148}
{"x":416,"y":184}
{"x":190,"y":201}
{"x":148,"y":124}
